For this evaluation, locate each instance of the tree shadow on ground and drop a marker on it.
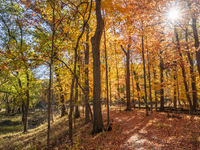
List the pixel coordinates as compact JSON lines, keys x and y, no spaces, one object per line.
{"x":133,"y":130}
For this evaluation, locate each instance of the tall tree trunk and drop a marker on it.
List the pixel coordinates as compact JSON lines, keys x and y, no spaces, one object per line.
{"x":87,"y":117}
{"x":27,"y":104}
{"x":106,"y":77}
{"x":62,"y":99}
{"x":149,"y":77}
{"x":161,"y":82}
{"x":74,"y":76}
{"x":193,"y":77}
{"x":50,"y":74}
{"x":63,"y":112}
{"x":155,"y":95}
{"x":127,"y":53}
{"x":196,"y":39}
{"x":71,"y":103}
{"x":183,"y":71}
{"x":118,"y":93}
{"x":128,"y":80}
{"x":144,"y":75}
{"x":110,"y":87}
{"x":132,"y":85}
{"x":77,"y":113}
{"x":137,"y":85}
{"x":175,"y":99}
{"x":23,"y":112}
{"x":177,"y":85}
{"x":96,"y":39}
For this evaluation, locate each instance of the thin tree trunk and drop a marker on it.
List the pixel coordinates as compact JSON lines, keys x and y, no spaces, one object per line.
{"x":118,"y":93}
{"x":106,"y":77}
{"x":87,"y":117}
{"x":132,"y":85}
{"x":62,"y":99}
{"x":110,"y":87}
{"x":144,"y":71}
{"x":23,"y":111}
{"x":137,"y":85}
{"x":161,"y":82}
{"x":74,"y":76}
{"x":177,"y":84}
{"x":27,"y":104}
{"x":149,"y":77}
{"x":128,"y":80}
{"x":77,"y":113}
{"x":193,"y":77}
{"x":155,"y":95}
{"x":71,"y":103}
{"x":183,"y":71}
{"x":23,"y":105}
{"x":175,"y":101}
{"x":63,"y":112}
{"x":50,"y":75}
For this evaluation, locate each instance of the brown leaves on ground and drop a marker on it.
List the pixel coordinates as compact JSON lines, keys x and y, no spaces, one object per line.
{"x":133,"y":130}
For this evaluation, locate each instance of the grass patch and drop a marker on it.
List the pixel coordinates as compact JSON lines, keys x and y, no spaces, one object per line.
{"x":7,"y":129}
{"x":163,"y":125}
{"x":12,"y":136}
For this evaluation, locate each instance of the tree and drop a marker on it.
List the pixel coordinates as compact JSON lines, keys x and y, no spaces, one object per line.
{"x":144,"y":73}
{"x":127,"y":53}
{"x":96,"y":39}
{"x":87,"y":119}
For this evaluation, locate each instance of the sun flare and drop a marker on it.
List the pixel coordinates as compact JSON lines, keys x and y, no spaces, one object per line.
{"x":173,"y":14}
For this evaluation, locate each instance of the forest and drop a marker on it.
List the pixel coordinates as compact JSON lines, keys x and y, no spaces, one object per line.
{"x":99,"y":74}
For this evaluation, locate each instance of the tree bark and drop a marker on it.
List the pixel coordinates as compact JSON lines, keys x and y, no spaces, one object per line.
{"x":96,"y":39}
{"x":137,"y":85}
{"x":149,"y":77}
{"x":23,"y":105}
{"x":144,"y":75}
{"x":63,"y":112}
{"x":62,"y":99}
{"x":196,"y":39}
{"x":118,"y":93}
{"x":183,"y":71}
{"x":77,"y":113}
{"x":106,"y":77}
{"x":128,"y":80}
{"x":110,"y":87}
{"x":23,"y":112}
{"x":27,"y":104}
{"x":127,"y":53}
{"x":155,"y":95}
{"x":50,"y":74}
{"x":161,"y":82}
{"x":132,"y":85}
{"x":193,"y":77}
{"x":175,"y":99}
{"x":87,"y":117}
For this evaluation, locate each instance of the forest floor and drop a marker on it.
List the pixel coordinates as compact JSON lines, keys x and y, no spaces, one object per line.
{"x":11,"y":136}
{"x":130,"y":130}
{"x":133,"y":130}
